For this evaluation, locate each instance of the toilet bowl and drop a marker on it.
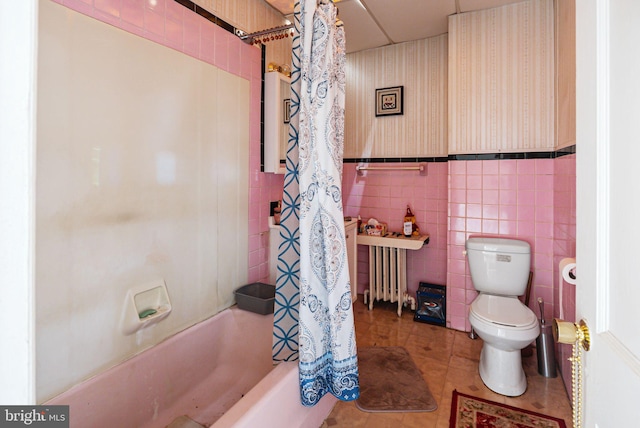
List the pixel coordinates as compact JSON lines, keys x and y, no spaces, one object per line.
{"x":499,"y":271}
{"x":506,"y":326}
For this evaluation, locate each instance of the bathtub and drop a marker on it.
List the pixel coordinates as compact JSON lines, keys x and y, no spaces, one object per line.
{"x":218,"y":373}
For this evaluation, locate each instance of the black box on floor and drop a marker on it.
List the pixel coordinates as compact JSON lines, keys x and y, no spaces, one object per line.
{"x":431,"y":304}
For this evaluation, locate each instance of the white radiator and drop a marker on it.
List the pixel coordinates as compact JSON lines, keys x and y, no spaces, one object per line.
{"x":388,"y":277}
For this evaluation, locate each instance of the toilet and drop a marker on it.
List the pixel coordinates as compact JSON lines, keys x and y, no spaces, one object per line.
{"x":500,"y":271}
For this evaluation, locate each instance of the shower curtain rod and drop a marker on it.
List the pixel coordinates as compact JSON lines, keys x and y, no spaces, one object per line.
{"x":251,"y":37}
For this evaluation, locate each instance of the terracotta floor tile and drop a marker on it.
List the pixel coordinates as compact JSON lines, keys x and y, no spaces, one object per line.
{"x":448,"y":360}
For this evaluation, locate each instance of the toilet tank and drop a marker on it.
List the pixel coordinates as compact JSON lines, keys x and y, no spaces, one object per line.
{"x":499,"y":265}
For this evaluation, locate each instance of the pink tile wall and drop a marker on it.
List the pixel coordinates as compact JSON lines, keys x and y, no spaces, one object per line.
{"x":384,"y":195}
{"x":510,"y":198}
{"x":170,"y":24}
{"x":565,"y":246}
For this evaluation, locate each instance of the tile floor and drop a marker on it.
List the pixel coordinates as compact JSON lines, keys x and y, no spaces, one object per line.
{"x":448,"y":360}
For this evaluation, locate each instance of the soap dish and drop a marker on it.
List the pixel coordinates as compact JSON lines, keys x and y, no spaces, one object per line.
{"x":145,"y":305}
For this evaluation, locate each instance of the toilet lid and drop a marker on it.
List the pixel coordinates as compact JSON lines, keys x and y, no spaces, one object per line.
{"x":503,"y":310}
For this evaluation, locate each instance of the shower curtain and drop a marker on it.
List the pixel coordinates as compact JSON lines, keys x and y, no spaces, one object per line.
{"x":313,"y":314}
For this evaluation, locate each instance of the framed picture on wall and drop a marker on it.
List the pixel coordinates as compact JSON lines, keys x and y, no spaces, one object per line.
{"x":287,"y":109}
{"x":389,"y":101}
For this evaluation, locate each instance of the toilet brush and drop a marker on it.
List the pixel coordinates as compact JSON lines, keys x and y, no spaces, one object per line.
{"x":545,"y":347}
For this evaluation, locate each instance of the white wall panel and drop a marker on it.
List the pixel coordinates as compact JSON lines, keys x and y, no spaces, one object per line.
{"x":421,"y":67}
{"x":142,"y":174}
{"x":501,"y":79}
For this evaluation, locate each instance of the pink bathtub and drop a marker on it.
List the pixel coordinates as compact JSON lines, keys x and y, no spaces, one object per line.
{"x":218,"y":373}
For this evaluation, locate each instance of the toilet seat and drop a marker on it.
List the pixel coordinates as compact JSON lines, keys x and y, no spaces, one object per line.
{"x":502,"y":310}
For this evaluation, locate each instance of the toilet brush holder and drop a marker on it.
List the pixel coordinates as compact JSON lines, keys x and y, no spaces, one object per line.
{"x":545,"y":349}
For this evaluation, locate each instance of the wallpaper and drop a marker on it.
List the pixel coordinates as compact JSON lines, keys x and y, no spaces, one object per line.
{"x":501,"y":79}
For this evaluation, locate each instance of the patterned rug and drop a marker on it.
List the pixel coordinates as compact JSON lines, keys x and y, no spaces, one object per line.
{"x":473,"y":412}
{"x":391,"y":382}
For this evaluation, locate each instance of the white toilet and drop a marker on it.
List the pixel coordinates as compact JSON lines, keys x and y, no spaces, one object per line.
{"x":500,"y":271}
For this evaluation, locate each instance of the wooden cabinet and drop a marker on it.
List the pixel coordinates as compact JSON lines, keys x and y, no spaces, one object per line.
{"x":351,"y":232}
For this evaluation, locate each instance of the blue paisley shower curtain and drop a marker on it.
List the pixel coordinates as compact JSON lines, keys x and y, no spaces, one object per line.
{"x":313,"y":317}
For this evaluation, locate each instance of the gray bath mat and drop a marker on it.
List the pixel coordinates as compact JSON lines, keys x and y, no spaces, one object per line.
{"x":391,"y":382}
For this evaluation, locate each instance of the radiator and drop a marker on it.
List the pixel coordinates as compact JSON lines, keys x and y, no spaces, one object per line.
{"x":388,"y":277}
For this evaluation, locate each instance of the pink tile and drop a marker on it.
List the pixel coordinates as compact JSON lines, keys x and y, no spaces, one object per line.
{"x":526,"y":182}
{"x":474,"y":167}
{"x":544,"y":198}
{"x":544,"y":166}
{"x":474,"y":210}
{"x":526,"y":197}
{"x":157,"y":6}
{"x":83,"y":6}
{"x":254,"y":242}
{"x":508,"y":197}
{"x":544,"y":229}
{"x":459,"y":323}
{"x":458,"y":182}
{"x":207,"y":51}
{"x":526,"y":213}
{"x":175,"y":11}
{"x":132,"y":11}
{"x":457,"y":252}
{"x":106,"y":17}
{"x":474,"y":225}
{"x":490,"y":167}
{"x":457,"y":266}
{"x":457,"y":294}
{"x":173,"y":34}
{"x":507,"y":227}
{"x":110,"y":7}
{"x":508,"y":182}
{"x":470,"y":296}
{"x":544,"y":183}
{"x":457,"y":224}
{"x":526,"y":228}
{"x":457,"y":167}
{"x":222,"y":50}
{"x":491,"y":197}
{"x":234,"y":57}
{"x":526,"y":166}
{"x":490,"y":226}
{"x":208,"y":30}
{"x":153,"y":22}
{"x":544,"y":214}
{"x":490,"y":211}
{"x":456,"y":280}
{"x":457,"y":210}
{"x":508,"y":167}
{"x":508,"y":212}
{"x":254,"y":227}
{"x":458,"y":196}
{"x":474,"y":196}
{"x":474,"y":182}
{"x":457,"y":309}
{"x":544,"y":246}
{"x":490,"y":182}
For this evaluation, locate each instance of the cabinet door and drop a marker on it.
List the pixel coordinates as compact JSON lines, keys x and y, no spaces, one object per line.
{"x":277,"y":88}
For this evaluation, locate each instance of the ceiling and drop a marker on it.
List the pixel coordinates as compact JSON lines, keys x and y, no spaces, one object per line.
{"x":374,"y":23}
